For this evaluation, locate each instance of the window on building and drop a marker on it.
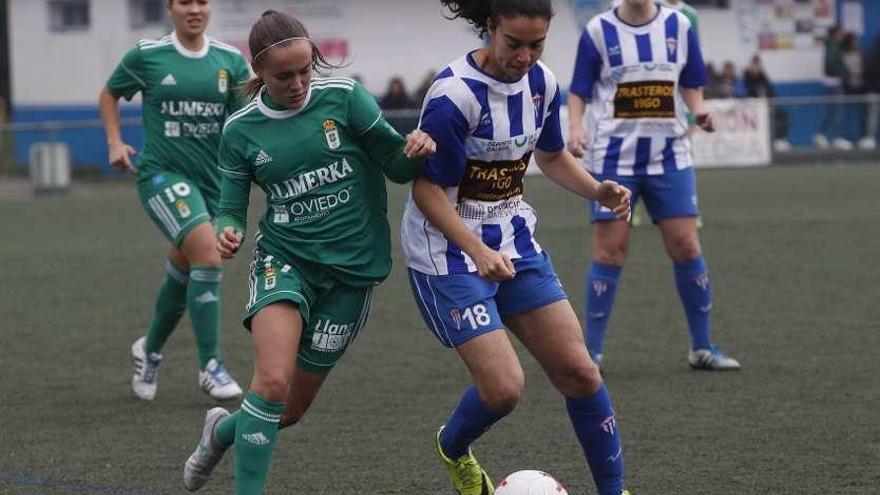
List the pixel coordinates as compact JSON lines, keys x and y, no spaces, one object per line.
{"x":144,"y":13}
{"x":69,"y":15}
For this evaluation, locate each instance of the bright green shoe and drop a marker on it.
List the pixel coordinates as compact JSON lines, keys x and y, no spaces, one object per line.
{"x":468,"y":477}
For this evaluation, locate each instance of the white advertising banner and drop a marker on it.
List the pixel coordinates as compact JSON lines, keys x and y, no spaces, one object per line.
{"x":742,"y":137}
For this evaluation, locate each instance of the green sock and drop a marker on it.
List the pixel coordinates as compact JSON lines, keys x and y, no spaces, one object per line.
{"x":256,"y":428}
{"x":170,"y":305}
{"x":224,"y":432}
{"x":203,"y":302}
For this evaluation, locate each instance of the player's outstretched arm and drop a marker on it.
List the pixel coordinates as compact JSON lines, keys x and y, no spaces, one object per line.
{"x":564,"y":169}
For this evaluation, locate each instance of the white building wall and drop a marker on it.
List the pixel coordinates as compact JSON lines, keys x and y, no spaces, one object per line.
{"x":387,"y":37}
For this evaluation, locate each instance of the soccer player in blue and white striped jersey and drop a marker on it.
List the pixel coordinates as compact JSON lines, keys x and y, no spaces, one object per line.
{"x":639,"y":68}
{"x":474,"y":264}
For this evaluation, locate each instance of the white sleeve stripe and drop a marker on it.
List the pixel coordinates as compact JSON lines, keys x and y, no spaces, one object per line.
{"x":371,"y":125}
{"x":232,"y":172}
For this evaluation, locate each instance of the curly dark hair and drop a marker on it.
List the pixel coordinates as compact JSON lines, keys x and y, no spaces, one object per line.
{"x":479,"y":12}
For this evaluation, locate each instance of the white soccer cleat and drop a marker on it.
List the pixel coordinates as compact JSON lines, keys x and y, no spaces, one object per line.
{"x":821,"y":142}
{"x":216,"y":382}
{"x":713,"y":359}
{"x":146,"y":370}
{"x":867,"y":143}
{"x":201,"y":463}
{"x":842,"y":144}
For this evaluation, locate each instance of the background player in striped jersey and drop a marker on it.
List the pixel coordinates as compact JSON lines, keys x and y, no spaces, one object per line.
{"x":187,"y":81}
{"x":318,"y":148}
{"x":474,"y":264}
{"x":640,"y":67}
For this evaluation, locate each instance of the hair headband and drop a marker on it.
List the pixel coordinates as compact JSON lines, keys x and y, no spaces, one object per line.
{"x":285,"y":40}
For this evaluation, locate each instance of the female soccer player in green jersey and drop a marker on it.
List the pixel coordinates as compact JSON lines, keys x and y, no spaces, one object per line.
{"x":186,"y":80}
{"x":318,"y":148}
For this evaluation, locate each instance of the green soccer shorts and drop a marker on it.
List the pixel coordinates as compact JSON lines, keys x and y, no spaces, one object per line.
{"x":175,"y":204}
{"x":332,"y":313}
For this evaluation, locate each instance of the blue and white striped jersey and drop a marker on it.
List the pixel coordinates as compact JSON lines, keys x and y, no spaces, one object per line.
{"x":486,"y":131}
{"x":631,"y":77}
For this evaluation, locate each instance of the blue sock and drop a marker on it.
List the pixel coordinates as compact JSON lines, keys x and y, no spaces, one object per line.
{"x":596,"y":429}
{"x":692,"y":280}
{"x":601,"y":289}
{"x":469,"y":420}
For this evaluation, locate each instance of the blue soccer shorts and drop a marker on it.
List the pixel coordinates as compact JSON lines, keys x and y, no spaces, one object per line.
{"x":671,"y":195}
{"x":459,"y":307}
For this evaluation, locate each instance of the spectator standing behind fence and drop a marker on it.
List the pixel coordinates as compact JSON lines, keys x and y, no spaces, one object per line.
{"x":396,"y":97}
{"x":758,"y":85}
{"x":835,"y":71}
{"x":854,"y":84}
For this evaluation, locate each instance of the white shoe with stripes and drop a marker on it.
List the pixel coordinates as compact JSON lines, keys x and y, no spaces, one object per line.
{"x":713,"y":359}
{"x":201,"y":463}
{"x":216,"y":382}
{"x":146,"y":370}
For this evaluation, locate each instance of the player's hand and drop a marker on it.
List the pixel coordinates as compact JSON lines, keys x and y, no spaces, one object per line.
{"x":706,"y":121}
{"x":419,"y":144}
{"x":615,"y":197}
{"x":120,"y":157}
{"x":577,"y":141}
{"x":228,"y":242}
{"x":494,"y":266}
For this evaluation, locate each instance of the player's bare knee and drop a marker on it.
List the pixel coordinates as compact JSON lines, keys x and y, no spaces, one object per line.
{"x":614,"y":254}
{"x":272,"y":384}
{"x":578,"y":380}
{"x":504,"y":395}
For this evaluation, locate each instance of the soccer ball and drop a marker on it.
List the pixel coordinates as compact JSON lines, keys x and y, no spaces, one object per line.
{"x":530,"y":482}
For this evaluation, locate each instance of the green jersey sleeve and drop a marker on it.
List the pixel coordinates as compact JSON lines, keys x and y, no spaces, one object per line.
{"x":128,"y":78}
{"x":382,"y":143}
{"x":235,"y":185}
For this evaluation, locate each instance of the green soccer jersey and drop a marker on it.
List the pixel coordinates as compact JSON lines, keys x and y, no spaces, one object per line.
{"x":321,"y":167}
{"x":186,"y":98}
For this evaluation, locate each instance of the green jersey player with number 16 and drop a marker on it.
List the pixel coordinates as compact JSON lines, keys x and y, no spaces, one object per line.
{"x":187,"y":82}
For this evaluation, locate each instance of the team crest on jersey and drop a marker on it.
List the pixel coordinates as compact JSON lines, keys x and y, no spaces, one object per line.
{"x":182,"y":208}
{"x":332,"y":134}
{"x":223,"y":80}
{"x":671,"y":45}
{"x":271,"y":278}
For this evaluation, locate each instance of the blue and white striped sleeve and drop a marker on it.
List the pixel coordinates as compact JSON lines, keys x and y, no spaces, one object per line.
{"x":693,"y":74}
{"x":587,"y":67}
{"x":447,"y":125}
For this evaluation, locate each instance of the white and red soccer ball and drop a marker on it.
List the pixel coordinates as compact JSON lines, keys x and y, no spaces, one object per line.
{"x":530,"y":482}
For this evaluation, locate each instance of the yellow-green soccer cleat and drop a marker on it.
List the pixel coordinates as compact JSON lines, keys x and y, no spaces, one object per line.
{"x":468,"y":477}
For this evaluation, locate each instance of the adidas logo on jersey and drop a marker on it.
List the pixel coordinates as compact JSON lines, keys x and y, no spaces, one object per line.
{"x":206,"y":297}
{"x":169,"y":81}
{"x":257,"y":438}
{"x":262,"y":158}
